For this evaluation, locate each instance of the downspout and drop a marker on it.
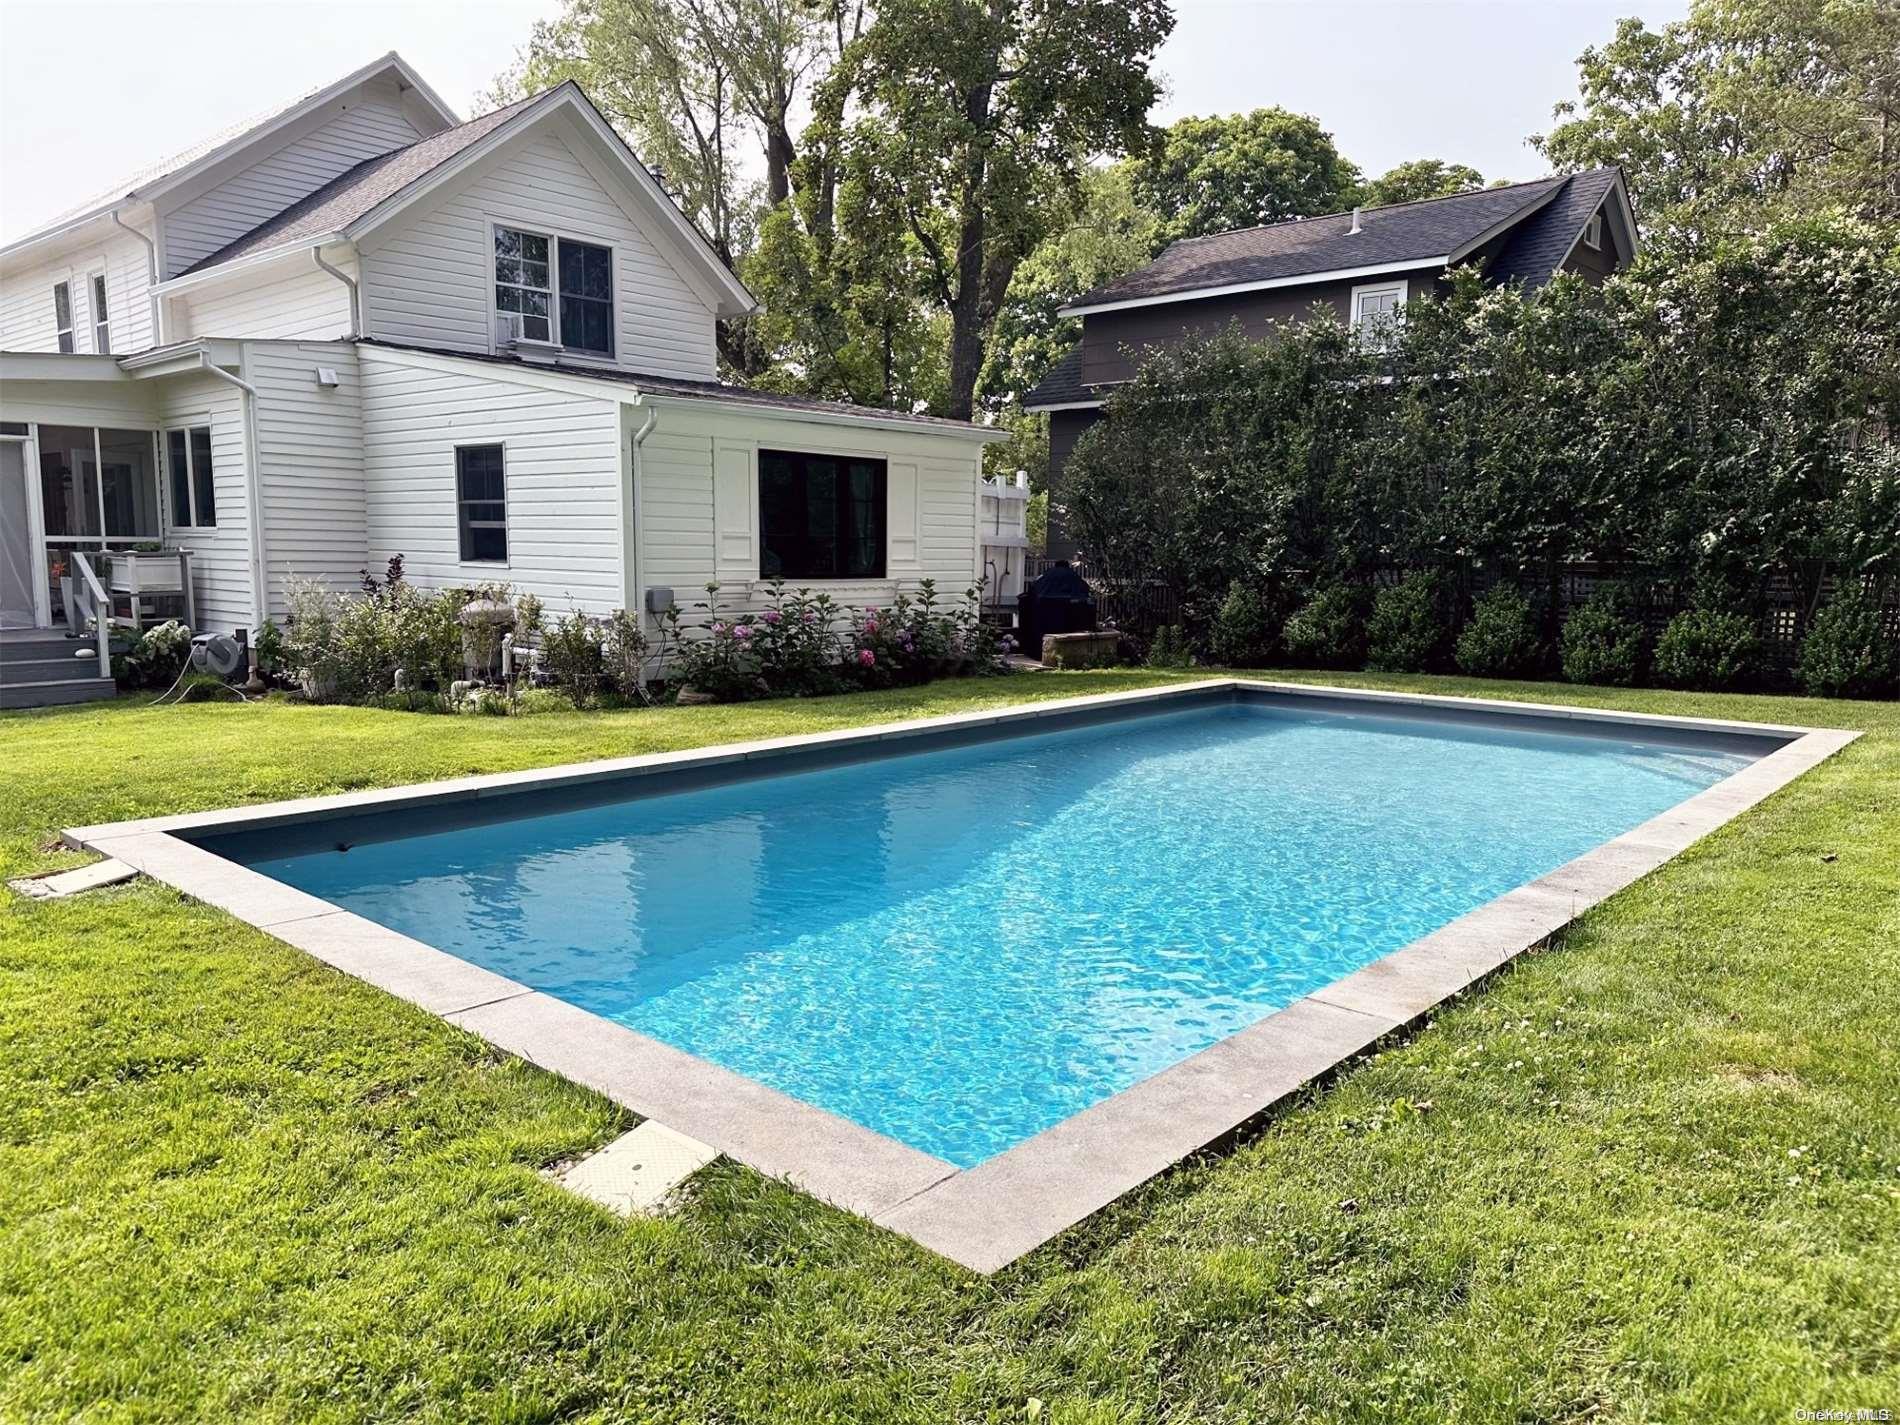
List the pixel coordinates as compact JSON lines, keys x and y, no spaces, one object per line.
{"x":638,"y":524}
{"x":253,"y":489}
{"x":356,"y":315}
{"x":151,"y":287}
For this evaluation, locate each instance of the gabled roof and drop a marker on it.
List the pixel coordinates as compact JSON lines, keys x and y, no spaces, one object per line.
{"x":1537,"y":248}
{"x":156,"y":178}
{"x":1431,"y":232}
{"x":355,"y":192}
{"x":376,"y":190}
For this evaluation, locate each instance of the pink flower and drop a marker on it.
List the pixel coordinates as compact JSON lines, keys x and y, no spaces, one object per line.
{"x":866,"y":657}
{"x":870,"y":625}
{"x":719,"y":630}
{"x":771,"y":616}
{"x":741,"y":631}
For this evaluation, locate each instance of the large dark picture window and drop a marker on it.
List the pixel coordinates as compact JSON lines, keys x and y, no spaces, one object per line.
{"x":481,"y":503}
{"x":587,"y":298}
{"x":822,"y":516}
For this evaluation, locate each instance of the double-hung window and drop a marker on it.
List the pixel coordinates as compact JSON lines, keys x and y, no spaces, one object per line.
{"x":63,"y":314}
{"x":481,"y":504}
{"x":822,"y":516}
{"x":101,"y":320}
{"x":522,"y":284}
{"x":194,"y":493}
{"x":559,"y":290}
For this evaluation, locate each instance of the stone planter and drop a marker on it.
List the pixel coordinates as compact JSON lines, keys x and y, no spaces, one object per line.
{"x":1101,"y":649}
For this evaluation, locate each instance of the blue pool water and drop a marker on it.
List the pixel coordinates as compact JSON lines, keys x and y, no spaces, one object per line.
{"x":961,"y":947}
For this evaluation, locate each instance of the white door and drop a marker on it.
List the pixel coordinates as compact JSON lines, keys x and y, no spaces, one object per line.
{"x":16,"y":539}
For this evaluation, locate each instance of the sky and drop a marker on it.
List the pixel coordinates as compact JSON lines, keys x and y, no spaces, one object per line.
{"x":92,"y":91}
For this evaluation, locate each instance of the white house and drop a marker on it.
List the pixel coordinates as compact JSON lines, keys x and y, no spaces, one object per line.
{"x":360,"y":327}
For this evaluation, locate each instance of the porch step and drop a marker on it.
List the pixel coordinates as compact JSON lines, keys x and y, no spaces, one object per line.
{"x":48,"y":669}
{"x":46,"y":695}
{"x":37,"y":644}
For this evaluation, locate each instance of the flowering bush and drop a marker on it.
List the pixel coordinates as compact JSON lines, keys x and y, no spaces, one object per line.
{"x":803,"y":644}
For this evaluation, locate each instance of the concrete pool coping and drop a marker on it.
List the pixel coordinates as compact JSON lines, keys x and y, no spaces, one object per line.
{"x":987,"y":1216}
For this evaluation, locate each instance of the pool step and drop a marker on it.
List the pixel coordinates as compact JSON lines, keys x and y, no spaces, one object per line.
{"x":61,"y":884}
{"x":639,"y":1171}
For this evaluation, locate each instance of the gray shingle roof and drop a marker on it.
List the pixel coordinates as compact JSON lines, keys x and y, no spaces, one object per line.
{"x":1531,"y":254}
{"x":355,"y":191}
{"x":679,"y":386}
{"x":1404,"y":232}
{"x":1061,"y":384}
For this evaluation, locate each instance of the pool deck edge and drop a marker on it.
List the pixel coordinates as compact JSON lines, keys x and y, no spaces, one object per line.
{"x":987,"y":1216}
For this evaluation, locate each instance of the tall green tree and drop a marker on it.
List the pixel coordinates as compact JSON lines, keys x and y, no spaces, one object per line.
{"x":1240,"y":170}
{"x":970,"y":120}
{"x":1105,"y":234}
{"x":1418,"y":179}
{"x":1745,"y":105}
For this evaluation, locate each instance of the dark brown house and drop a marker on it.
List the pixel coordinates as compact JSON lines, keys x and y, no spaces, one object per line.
{"x":1361,"y":265}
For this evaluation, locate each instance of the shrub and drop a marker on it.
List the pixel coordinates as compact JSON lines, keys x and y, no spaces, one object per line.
{"x":271,"y":654}
{"x":1246,"y":630}
{"x":1329,"y":629}
{"x":1705,"y":649}
{"x":1501,"y":639}
{"x":543,"y":700}
{"x":1846,"y":653}
{"x":1408,"y":629}
{"x":623,"y":653}
{"x":1602,"y":643}
{"x":157,"y":659}
{"x":571,"y":656}
{"x":313,"y":651}
{"x":1169,"y":648}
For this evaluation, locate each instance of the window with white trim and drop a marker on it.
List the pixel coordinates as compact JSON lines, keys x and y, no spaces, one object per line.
{"x":188,"y":466}
{"x":1593,"y":232}
{"x":63,"y":314}
{"x":523,"y":282}
{"x":481,"y":504}
{"x":1376,"y":307}
{"x":558,"y":289}
{"x":101,"y":319}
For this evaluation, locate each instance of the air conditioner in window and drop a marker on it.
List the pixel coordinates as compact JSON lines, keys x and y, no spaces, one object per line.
{"x":507,"y":331}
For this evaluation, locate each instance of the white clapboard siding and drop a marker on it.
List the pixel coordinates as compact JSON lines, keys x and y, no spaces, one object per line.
{"x":430,"y":283}
{"x":220,"y":557}
{"x":366,"y":123}
{"x":698,"y":514}
{"x":301,"y":303}
{"x":117,"y":405}
{"x":310,"y":464}
{"x":26,"y":293}
{"x":562,"y":477}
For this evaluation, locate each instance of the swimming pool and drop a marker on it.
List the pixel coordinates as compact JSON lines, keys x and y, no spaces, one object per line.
{"x":974,"y":977}
{"x":962,"y":946}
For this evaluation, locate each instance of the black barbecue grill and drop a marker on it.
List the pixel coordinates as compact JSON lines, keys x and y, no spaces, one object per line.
{"x":1060,"y":601}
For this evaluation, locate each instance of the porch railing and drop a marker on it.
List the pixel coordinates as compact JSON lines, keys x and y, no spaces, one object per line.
{"x":94,"y":601}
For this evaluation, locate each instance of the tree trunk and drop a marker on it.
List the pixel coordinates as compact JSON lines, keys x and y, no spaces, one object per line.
{"x":966,"y":302}
{"x":779,"y":155}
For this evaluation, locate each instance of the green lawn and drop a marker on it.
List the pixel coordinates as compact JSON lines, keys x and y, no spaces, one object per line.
{"x":1653,"y":1174}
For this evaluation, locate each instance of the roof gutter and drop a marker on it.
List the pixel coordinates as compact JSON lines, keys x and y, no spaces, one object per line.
{"x":1301,"y":279}
{"x":200,"y":277}
{"x":151,"y":287}
{"x":253,"y":490}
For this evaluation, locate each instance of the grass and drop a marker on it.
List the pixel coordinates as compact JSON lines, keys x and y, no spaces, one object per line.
{"x":1653,"y":1174}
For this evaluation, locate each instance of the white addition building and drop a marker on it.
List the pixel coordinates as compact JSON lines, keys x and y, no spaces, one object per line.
{"x":360,"y":328}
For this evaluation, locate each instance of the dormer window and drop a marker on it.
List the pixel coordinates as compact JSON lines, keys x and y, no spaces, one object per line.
{"x":559,"y":290}
{"x":1593,"y":232}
